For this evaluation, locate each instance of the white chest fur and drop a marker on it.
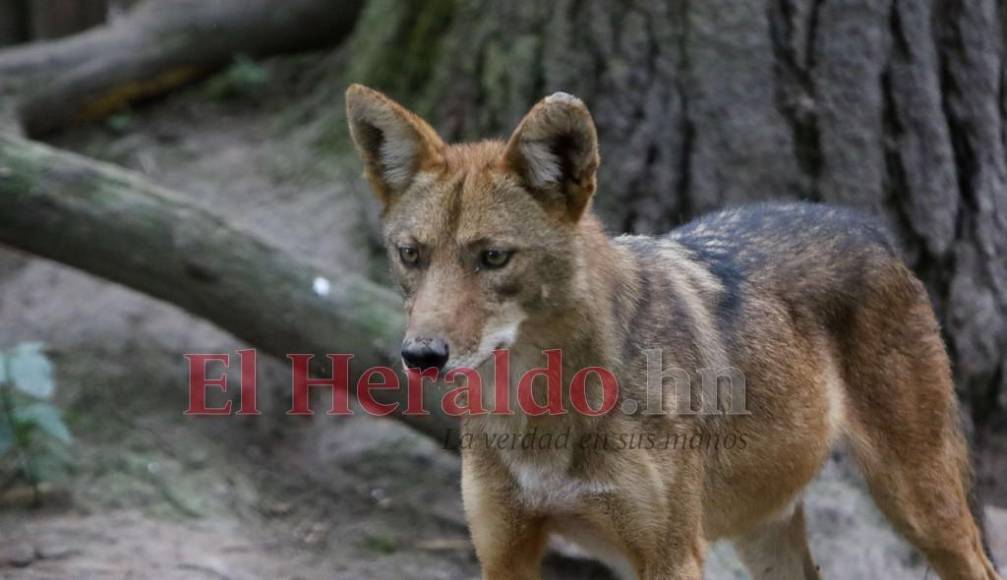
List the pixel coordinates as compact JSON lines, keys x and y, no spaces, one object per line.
{"x":548,"y":486}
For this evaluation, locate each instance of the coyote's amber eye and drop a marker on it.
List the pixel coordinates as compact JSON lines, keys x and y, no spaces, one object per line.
{"x":494,"y":259}
{"x":409,"y":255}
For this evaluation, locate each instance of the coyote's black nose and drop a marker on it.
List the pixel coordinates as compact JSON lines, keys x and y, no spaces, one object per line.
{"x":424,"y":353}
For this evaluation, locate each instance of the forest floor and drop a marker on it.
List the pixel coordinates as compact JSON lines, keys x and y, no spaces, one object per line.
{"x":151,"y":493}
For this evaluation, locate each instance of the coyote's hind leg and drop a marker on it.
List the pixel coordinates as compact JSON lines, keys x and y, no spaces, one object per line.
{"x":903,"y":426}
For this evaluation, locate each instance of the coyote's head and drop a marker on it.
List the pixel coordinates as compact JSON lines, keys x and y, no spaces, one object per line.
{"x":483,"y":237}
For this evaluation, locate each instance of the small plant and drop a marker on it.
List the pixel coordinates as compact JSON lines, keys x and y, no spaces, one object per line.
{"x":32,"y":431}
{"x":244,"y":79}
{"x":381,"y":543}
{"x":121,"y":122}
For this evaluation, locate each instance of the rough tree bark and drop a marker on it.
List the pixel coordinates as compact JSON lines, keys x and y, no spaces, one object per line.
{"x":13,"y":21}
{"x":114,"y":224}
{"x":24,"y":20}
{"x":894,"y":106}
{"x":57,"y":18}
{"x":158,"y":47}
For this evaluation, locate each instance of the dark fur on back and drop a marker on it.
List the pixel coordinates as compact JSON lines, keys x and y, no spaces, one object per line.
{"x":809,"y":255}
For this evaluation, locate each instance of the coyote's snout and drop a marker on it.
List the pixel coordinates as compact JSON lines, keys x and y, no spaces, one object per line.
{"x":494,"y":246}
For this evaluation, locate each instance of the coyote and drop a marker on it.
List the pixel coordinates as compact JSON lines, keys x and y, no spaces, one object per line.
{"x":495,"y":246}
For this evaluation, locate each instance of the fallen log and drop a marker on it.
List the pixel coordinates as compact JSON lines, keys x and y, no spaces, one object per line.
{"x":112,"y":223}
{"x":157,"y":48}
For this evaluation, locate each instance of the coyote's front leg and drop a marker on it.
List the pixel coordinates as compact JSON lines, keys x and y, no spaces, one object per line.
{"x":509,"y":542}
{"x":673,"y":560}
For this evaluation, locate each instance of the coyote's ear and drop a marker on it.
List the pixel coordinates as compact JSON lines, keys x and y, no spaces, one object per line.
{"x":555,"y":153}
{"x":394,"y":143}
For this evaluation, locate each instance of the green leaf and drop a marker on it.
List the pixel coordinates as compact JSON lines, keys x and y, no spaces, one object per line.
{"x":46,"y":418}
{"x":29,"y":370}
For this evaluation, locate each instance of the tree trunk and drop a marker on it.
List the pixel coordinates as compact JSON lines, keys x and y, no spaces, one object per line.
{"x":893,"y":106}
{"x":158,"y":47}
{"x":114,"y":224}
{"x":58,"y":18}
{"x":13,"y":22}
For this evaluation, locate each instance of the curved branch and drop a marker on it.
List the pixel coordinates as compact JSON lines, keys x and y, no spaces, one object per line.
{"x":114,"y":224}
{"x":159,"y":47}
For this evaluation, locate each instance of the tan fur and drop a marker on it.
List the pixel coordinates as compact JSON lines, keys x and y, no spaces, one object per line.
{"x":835,"y":339}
